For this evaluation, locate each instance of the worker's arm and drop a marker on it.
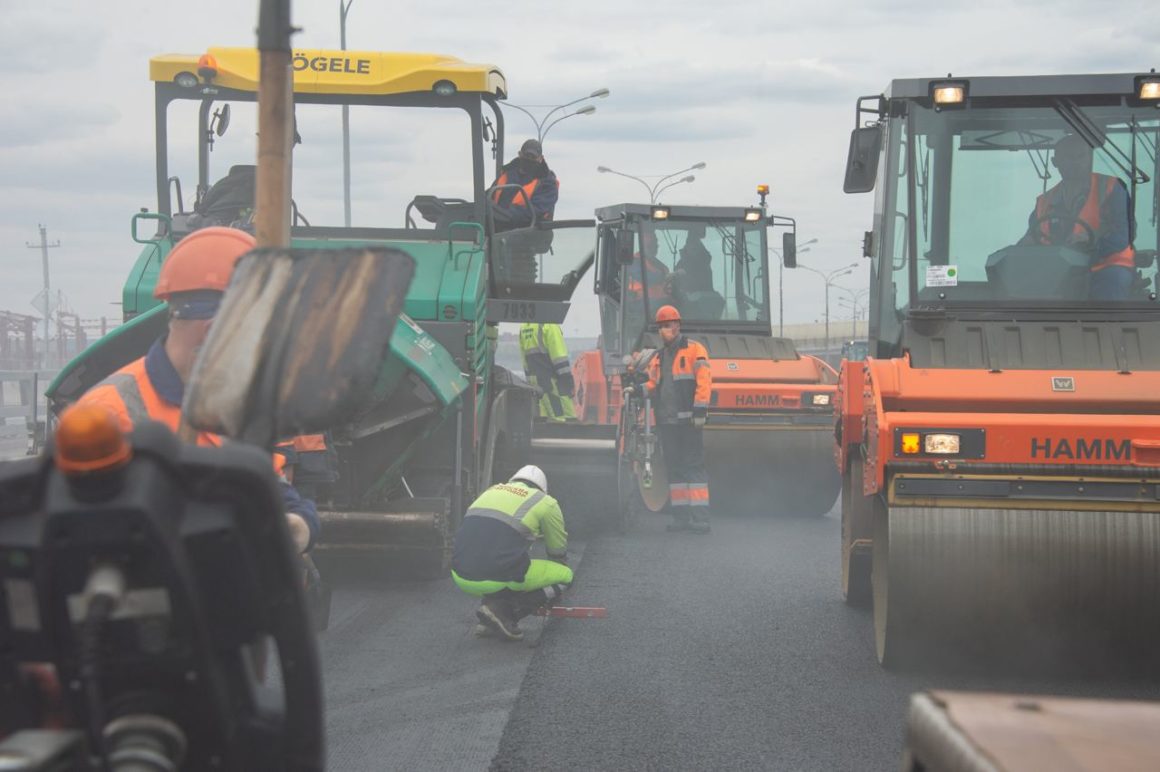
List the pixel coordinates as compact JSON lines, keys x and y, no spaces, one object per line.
{"x":558,"y":353}
{"x":546,"y":195}
{"x":1114,"y":223}
{"x":704,"y":391}
{"x":552,"y":528}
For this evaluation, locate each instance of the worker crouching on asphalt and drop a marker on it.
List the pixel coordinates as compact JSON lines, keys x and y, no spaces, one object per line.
{"x":491,"y":553}
{"x":681,"y":385}
{"x":192,"y":280}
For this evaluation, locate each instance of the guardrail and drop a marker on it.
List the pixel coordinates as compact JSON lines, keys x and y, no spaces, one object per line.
{"x":22,"y":409}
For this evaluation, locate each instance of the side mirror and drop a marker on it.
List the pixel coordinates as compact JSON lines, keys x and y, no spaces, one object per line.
{"x":222,"y":120}
{"x":789,"y":250}
{"x":625,"y":246}
{"x":862,"y":161}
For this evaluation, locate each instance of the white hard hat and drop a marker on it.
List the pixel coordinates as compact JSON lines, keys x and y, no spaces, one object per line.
{"x":533,"y":475}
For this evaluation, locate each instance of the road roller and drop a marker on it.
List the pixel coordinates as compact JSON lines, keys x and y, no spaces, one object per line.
{"x":1000,"y":444}
{"x":768,"y":436}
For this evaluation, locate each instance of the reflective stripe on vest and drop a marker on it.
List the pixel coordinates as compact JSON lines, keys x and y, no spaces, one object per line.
{"x":1089,"y":214}
{"x":514,"y":520}
{"x":517,"y":199}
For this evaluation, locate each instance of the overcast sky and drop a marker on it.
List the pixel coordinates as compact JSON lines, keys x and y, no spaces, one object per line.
{"x":760,"y":91}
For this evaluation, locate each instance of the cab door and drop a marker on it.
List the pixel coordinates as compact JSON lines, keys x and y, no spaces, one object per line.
{"x":532,"y":272}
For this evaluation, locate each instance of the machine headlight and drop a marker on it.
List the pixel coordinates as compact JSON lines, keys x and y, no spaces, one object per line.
{"x":185,"y":79}
{"x":941,"y":444}
{"x":660,"y":213}
{"x":752,"y":215}
{"x":948,"y":93}
{"x":820,"y":399}
{"x":444,"y":88}
{"x":1149,"y":89}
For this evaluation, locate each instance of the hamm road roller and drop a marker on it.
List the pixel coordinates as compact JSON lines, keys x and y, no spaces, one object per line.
{"x":1000,"y":444}
{"x":768,"y":435}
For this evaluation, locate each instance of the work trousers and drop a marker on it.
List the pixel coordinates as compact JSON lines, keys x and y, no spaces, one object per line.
{"x":684,"y":451}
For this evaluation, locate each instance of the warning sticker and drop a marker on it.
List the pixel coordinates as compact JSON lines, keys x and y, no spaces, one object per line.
{"x":942,"y":276}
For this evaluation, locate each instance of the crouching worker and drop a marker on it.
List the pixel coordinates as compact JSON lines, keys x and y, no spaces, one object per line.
{"x":491,"y":553}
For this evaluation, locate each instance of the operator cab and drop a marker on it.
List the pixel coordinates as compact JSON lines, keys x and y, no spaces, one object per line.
{"x":710,"y":262}
{"x":1008,"y":198}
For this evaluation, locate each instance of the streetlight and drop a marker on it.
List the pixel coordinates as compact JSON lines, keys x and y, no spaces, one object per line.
{"x":343,"y":10}
{"x":542,"y":124}
{"x":655,"y":189}
{"x":853,"y":302}
{"x":828,"y":278}
{"x":780,"y":278}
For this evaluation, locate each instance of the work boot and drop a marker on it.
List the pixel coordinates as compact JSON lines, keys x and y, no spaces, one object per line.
{"x":700,"y":524}
{"x":528,"y":602}
{"x":497,"y":614}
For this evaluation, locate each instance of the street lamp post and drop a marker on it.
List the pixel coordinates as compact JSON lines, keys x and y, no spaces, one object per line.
{"x":659,"y":186}
{"x":343,"y":10}
{"x":855,"y":297}
{"x":781,"y":284}
{"x":828,"y":278}
{"x":543,"y":125}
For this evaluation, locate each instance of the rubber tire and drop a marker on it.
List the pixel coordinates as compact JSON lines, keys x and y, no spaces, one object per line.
{"x":857,"y":588}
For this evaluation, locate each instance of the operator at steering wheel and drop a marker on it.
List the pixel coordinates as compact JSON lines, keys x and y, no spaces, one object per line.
{"x":1089,"y":212}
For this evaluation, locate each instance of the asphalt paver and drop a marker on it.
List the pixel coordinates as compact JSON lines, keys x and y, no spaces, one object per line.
{"x":731,"y":651}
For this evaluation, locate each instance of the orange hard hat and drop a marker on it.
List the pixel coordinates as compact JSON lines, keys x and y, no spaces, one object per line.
{"x":668,"y":314}
{"x":203,"y":260}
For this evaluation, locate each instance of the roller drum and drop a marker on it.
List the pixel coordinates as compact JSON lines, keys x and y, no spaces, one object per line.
{"x":772,"y":471}
{"x":981,"y":581}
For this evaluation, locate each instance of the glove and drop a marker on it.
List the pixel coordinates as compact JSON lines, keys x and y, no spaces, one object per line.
{"x":299,"y":531}
{"x":628,"y":391}
{"x":699,"y":421}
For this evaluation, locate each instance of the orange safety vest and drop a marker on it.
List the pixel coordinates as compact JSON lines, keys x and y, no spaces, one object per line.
{"x":690,"y":375}
{"x":517,"y":199}
{"x":1090,"y":214}
{"x":655,"y":268}
{"x":130,"y":396}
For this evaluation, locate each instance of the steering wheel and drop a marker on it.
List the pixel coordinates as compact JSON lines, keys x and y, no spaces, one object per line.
{"x":1044,"y":239}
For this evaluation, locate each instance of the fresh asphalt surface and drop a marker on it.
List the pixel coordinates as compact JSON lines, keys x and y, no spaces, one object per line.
{"x":733,"y":651}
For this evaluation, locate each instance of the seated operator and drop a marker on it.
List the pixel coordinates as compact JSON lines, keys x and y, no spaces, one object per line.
{"x":1097,"y":201}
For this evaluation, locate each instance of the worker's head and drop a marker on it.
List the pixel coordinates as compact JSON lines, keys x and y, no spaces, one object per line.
{"x":669,"y":323}
{"x":1073,"y":158}
{"x":531,"y":475}
{"x":696,"y":231}
{"x":192,"y":281}
{"x":530,"y":157}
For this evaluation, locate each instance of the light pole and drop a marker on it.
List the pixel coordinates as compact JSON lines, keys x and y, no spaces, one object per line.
{"x":855,"y":297}
{"x":542,"y":123}
{"x":656,"y":188}
{"x":343,"y":10}
{"x":780,"y":284}
{"x":828,"y":278}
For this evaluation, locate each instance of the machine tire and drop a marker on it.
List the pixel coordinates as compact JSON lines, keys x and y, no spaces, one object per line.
{"x":887,"y":630}
{"x":857,"y":589}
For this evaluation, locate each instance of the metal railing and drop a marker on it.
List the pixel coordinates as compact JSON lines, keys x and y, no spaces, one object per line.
{"x":22,"y":410}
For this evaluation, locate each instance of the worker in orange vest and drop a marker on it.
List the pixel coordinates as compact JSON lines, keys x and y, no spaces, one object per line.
{"x":538,"y":190}
{"x":681,"y":386}
{"x":192,"y":281}
{"x":1091,"y":211}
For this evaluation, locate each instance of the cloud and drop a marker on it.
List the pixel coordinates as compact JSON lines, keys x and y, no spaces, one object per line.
{"x":40,"y":122}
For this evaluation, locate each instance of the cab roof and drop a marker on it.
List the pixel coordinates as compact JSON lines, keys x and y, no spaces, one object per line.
{"x":318,"y":71}
{"x":1115,"y":84}
{"x":676,"y":211}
